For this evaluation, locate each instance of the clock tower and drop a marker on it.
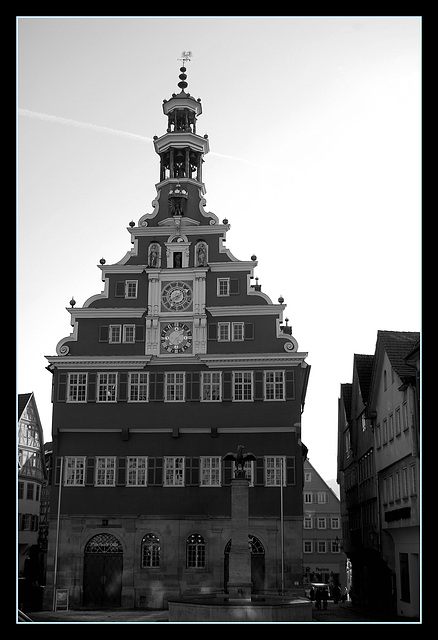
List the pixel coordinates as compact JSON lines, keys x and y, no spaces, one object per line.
{"x":179,"y":360}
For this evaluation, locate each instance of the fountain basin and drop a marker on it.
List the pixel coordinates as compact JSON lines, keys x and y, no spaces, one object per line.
{"x":222,"y":608}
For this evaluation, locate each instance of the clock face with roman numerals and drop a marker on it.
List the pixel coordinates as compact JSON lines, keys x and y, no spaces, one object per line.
{"x":176,"y":337}
{"x":177,"y":296}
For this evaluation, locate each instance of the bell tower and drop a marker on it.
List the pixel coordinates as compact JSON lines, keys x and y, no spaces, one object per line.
{"x":181,"y":149}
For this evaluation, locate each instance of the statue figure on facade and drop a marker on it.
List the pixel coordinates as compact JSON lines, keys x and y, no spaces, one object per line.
{"x":154,"y":255}
{"x":201,"y":255}
{"x":240,"y":459}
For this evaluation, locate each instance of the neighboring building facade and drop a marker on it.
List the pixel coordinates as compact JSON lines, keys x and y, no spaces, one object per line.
{"x":178,"y":361}
{"x":395,"y":409}
{"x":323,"y":558}
{"x":378,"y":471}
{"x":31,"y":478}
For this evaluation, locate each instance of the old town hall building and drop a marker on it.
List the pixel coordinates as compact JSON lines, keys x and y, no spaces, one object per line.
{"x":178,"y":361}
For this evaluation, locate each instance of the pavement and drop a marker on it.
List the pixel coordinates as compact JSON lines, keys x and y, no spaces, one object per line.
{"x":335,"y":613}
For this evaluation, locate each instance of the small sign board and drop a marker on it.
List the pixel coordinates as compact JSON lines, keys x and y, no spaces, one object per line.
{"x":61,"y":600}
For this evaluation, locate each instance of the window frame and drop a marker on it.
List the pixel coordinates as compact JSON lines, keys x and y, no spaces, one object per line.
{"x":73,"y":464}
{"x":210,"y":386}
{"x":234,"y":327}
{"x":196,"y":553}
{"x":104,"y":387}
{"x":207,"y":471}
{"x":223,"y":283}
{"x":128,"y":284}
{"x":125,"y":328}
{"x":136,"y":471}
{"x":171,"y":388}
{"x":171,"y":471}
{"x":223,"y":332}
{"x":71,"y":385}
{"x":115,"y":333}
{"x":138,"y":385}
{"x":274,"y":384}
{"x":276,"y":469}
{"x":108,"y":469}
{"x":243,"y":383}
{"x":150,"y":552}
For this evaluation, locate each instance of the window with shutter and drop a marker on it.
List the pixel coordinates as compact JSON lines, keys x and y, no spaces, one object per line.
{"x":249,"y":331}
{"x":212,"y":331}
{"x":104,"y":333}
{"x":234,"y":286}
{"x":120,"y":289}
{"x":62,"y":387}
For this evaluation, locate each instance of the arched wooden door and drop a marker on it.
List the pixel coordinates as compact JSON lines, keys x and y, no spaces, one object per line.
{"x":103,"y":566}
{"x":257,"y":563}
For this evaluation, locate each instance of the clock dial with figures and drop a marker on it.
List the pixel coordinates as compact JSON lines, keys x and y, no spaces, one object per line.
{"x":177,"y":296}
{"x":176,"y":337}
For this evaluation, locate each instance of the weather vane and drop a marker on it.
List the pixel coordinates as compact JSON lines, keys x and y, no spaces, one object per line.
{"x":186,"y":56}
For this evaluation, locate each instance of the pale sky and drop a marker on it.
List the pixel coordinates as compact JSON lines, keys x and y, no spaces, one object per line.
{"x":315,"y":135}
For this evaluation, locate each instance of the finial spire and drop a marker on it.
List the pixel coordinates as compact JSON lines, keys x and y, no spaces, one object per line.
{"x":186,"y":56}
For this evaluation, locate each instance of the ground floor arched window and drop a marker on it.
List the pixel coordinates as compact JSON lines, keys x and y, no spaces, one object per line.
{"x":150,"y":551}
{"x":195,"y":552}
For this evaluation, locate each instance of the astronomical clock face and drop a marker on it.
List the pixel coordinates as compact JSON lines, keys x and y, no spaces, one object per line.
{"x":176,"y":337}
{"x":177,"y":296}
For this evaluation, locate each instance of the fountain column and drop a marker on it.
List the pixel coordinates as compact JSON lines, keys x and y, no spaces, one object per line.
{"x":239,"y":580}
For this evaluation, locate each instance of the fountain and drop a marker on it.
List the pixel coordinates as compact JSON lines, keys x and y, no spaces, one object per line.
{"x":239,"y":605}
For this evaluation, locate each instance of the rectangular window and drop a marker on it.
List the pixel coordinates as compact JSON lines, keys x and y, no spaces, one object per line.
{"x":223,"y":331}
{"x":413,"y":480}
{"x":308,"y":522}
{"x":307,"y":546}
{"x":136,"y":471}
{"x":175,"y":387}
{"x":274,"y":385}
{"x":335,"y":523}
{"x":29,"y":491}
{"x":321,"y":523}
{"x":74,"y":471}
{"x":173,"y":471}
{"x":397,"y":422}
{"x":20,"y":490}
{"x":26,"y":522}
{"x":105,"y":471}
{"x":322,"y":497}
{"x":405,"y":482}
{"x":378,"y":437}
{"x":334,"y":546}
{"x":275,"y":467}
{"x":138,"y":387}
{"x":405,"y":416}
{"x":77,"y":387}
{"x":322,"y":546}
{"x":131,"y":289}
{"x":107,"y":387}
{"x":308,"y":497}
{"x":223,"y":286}
{"x":242,"y":386}
{"x":385,"y":431}
{"x":211,"y":386}
{"x":129,"y":333}
{"x":238,"y":331}
{"x":397,"y":485}
{"x":391,"y":427}
{"x":115,"y":332}
{"x":211,"y":471}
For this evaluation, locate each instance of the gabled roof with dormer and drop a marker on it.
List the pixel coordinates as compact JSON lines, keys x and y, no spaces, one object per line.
{"x":364,"y":368}
{"x":397,"y":345}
